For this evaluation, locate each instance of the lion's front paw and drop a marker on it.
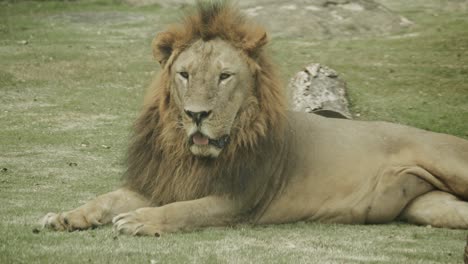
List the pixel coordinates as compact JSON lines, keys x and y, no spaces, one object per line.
{"x":53,"y":221}
{"x":142,"y":222}
{"x":70,"y":221}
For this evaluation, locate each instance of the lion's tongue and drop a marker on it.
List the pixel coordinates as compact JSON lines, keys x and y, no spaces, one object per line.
{"x":200,"y":139}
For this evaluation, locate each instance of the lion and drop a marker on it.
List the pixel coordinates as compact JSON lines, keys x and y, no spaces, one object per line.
{"x":216,"y":146}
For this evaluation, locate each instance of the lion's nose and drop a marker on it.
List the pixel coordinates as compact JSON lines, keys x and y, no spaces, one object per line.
{"x":198,"y":117}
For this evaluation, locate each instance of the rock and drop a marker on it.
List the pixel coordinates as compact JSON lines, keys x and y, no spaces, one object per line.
{"x":313,"y":18}
{"x":84,"y":144}
{"x":324,"y":18}
{"x":318,"y":89}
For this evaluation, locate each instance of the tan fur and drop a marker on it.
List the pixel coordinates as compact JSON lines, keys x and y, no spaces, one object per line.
{"x":280,"y":166}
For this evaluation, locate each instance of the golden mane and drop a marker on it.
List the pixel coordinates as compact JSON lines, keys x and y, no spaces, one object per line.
{"x":160,"y":165}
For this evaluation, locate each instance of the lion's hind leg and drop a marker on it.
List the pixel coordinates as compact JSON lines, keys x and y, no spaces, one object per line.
{"x":438,"y":209}
{"x":99,"y":211}
{"x":445,"y":157}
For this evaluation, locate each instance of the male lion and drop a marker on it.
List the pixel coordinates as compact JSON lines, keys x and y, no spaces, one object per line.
{"x":215,"y":146}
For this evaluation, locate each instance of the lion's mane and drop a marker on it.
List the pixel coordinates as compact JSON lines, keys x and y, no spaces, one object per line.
{"x":160,"y":165}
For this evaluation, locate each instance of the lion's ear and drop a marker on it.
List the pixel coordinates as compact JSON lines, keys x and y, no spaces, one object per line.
{"x":163,"y":46}
{"x":254,"y":41}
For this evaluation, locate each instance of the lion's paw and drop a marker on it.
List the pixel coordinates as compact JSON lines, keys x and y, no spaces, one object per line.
{"x":52,"y":221}
{"x":137,"y":223}
{"x":70,"y":221}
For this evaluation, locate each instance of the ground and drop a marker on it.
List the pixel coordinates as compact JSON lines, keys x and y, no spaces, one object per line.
{"x":72,"y":79}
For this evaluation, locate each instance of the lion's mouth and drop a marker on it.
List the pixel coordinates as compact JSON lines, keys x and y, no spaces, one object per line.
{"x":201,"y":140}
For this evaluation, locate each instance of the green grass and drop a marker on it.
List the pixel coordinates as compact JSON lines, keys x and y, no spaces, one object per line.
{"x":72,"y":79}
{"x":417,"y":78}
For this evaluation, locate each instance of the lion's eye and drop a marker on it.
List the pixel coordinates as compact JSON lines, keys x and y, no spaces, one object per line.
{"x":184,"y":75}
{"x":224,"y":76}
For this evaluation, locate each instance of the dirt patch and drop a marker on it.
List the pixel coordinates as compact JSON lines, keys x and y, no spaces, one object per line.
{"x":104,"y":23}
{"x":102,"y":18}
{"x":75,"y":121}
{"x":314,"y":18}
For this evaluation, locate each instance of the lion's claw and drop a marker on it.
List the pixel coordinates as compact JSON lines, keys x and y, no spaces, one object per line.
{"x":133,"y":224}
{"x":70,"y":221}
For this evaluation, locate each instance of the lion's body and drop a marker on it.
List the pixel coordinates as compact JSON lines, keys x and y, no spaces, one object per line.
{"x":215,"y":146}
{"x":366,"y":172}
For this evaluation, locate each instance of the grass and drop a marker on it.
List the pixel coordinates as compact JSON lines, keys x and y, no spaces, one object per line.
{"x":72,"y":78}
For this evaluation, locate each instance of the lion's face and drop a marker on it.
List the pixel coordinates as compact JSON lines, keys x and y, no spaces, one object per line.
{"x":211,"y":81}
